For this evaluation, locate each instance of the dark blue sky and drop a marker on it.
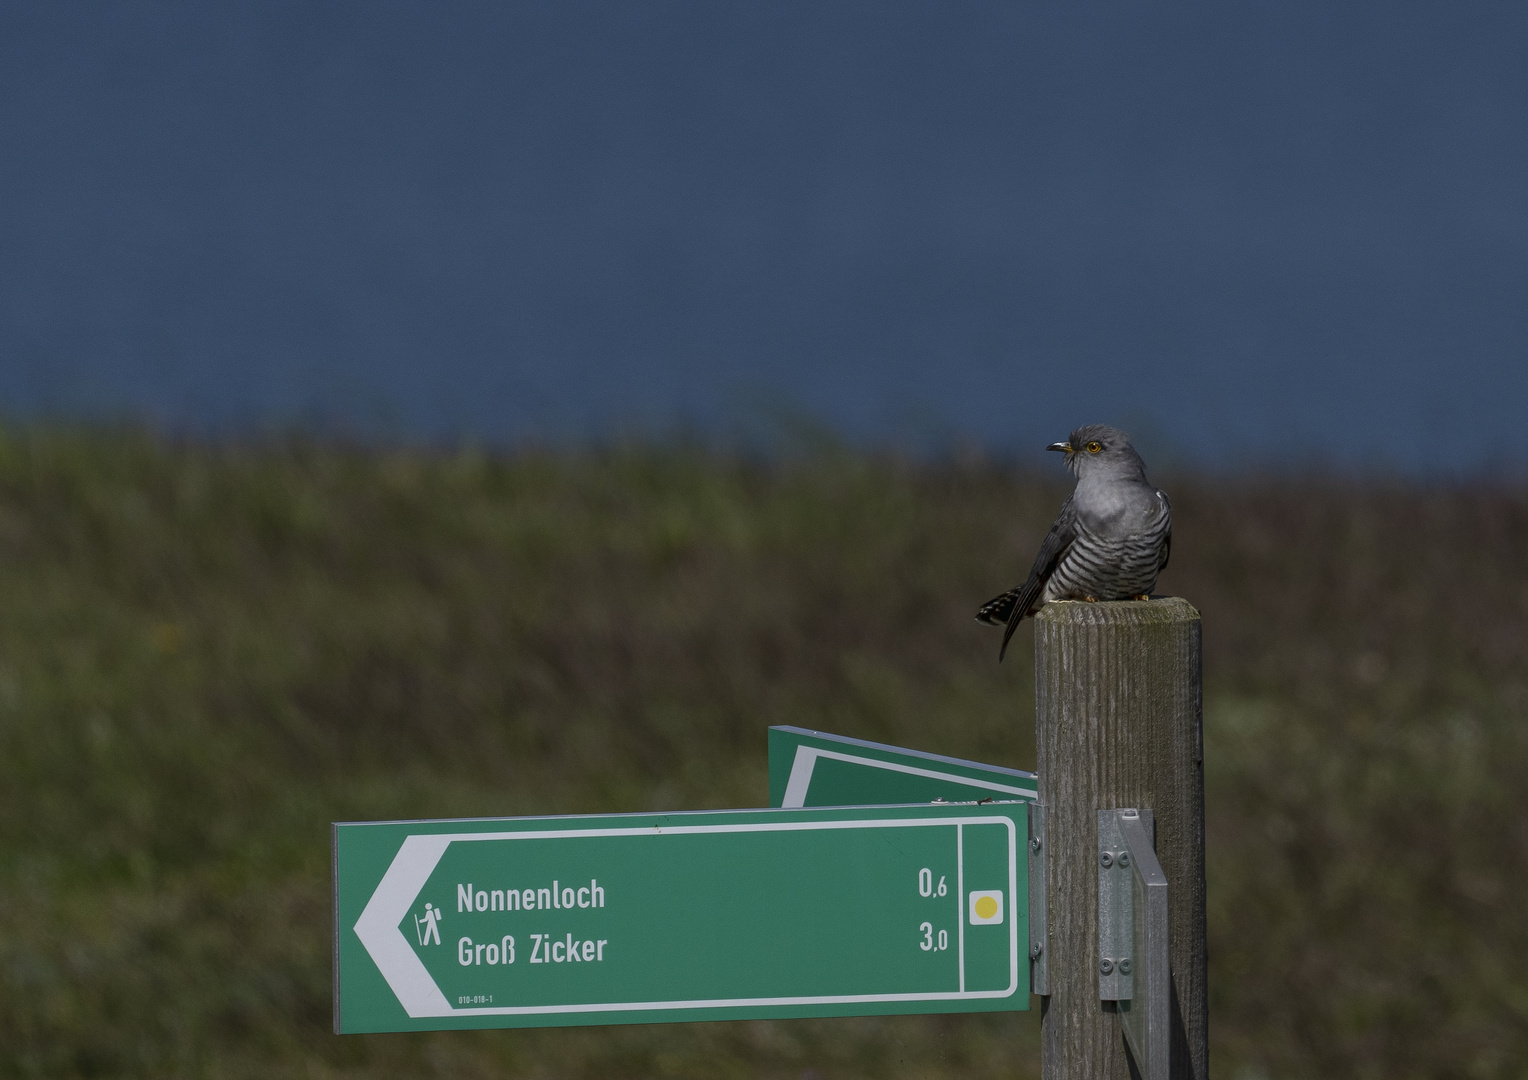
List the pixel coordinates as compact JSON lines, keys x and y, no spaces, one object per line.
{"x":1257,"y":231}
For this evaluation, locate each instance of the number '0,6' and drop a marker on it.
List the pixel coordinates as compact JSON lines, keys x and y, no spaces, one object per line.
{"x":926,"y":886}
{"x":930,"y":943}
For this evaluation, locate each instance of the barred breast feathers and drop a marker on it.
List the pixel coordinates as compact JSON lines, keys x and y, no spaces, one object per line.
{"x":1114,"y":562}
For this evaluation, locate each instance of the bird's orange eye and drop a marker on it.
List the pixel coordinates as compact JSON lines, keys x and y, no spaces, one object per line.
{"x":1094,"y":447}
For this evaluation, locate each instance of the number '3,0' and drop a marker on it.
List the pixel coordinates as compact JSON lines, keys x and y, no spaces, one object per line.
{"x":930,"y":942}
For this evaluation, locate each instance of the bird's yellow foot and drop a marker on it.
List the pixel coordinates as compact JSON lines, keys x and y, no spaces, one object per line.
{"x":1091,"y":599}
{"x":1144,"y":596}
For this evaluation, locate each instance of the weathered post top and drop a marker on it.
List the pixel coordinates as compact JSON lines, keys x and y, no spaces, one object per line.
{"x":1159,"y":609}
{"x":1118,"y":719}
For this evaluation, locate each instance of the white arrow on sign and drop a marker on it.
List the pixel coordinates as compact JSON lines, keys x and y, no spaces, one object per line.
{"x":378,"y":926}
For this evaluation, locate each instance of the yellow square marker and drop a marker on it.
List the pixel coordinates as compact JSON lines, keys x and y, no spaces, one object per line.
{"x":986,"y":908}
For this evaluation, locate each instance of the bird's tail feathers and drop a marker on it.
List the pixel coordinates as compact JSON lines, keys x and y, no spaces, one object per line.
{"x":1005,"y":611}
{"x":1014,"y":617}
{"x":998,"y":610}
{"x":1008,"y":610}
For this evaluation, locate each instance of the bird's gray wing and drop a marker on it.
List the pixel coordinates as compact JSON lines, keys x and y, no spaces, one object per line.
{"x":1167,"y":541}
{"x":1014,"y":604}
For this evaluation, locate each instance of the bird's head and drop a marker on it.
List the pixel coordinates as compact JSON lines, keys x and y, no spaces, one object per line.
{"x":1099,"y":448}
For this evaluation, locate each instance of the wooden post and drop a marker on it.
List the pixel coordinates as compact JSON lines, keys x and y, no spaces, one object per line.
{"x":1118,"y":724}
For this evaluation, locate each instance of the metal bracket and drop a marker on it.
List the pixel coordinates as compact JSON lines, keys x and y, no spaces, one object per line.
{"x":1039,"y":938}
{"x":1132,"y":935}
{"x":1115,"y":947}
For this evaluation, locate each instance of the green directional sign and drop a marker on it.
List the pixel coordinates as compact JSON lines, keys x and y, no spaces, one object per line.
{"x":637,"y":918}
{"x":813,"y":768}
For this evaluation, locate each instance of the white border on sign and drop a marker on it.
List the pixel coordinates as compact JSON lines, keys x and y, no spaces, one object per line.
{"x":806,"y":761}
{"x":411,"y":982}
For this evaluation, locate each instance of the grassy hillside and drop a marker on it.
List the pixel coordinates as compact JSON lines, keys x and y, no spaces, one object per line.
{"x":206,"y":655}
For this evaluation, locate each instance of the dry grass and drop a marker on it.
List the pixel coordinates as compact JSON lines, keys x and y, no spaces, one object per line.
{"x":207,"y":654}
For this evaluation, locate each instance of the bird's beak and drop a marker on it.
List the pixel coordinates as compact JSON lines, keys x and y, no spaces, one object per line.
{"x":1064,"y":447}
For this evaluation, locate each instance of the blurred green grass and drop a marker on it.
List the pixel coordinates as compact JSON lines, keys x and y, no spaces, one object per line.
{"x":207,"y":653}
